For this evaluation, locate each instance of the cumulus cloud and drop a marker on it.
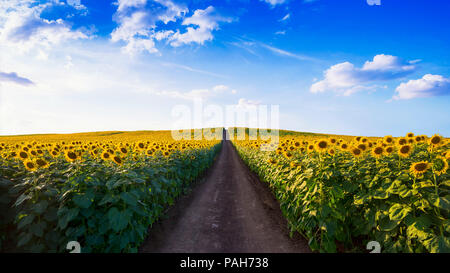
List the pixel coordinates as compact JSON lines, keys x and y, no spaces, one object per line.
{"x":22,"y":27}
{"x":205,"y":21}
{"x":137,"y":24}
{"x":347,"y":79}
{"x":13,"y":77}
{"x":428,"y":86}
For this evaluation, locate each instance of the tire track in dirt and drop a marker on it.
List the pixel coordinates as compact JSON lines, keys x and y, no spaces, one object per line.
{"x":229,"y":211}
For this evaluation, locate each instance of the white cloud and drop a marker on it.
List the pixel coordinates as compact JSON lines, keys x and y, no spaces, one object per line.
{"x":274,"y":2}
{"x":13,"y":77}
{"x":22,"y":27}
{"x":137,"y":25}
{"x":287,"y":53}
{"x":347,"y":79}
{"x":198,"y":93}
{"x":125,"y":4}
{"x":244,"y":103}
{"x":287,"y":16}
{"x":205,"y":21}
{"x":428,"y":86}
{"x":280,"y":32}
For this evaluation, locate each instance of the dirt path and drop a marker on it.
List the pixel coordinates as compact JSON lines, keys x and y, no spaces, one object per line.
{"x":229,"y":211}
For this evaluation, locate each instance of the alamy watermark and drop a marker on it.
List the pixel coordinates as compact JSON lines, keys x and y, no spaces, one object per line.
{"x":261,"y":120}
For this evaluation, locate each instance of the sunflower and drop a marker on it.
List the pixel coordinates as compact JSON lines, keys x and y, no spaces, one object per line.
{"x":310,"y":148}
{"x":332,"y":151}
{"x":166,"y":153}
{"x":389,"y":150}
{"x":344,"y":146}
{"x":322,"y":145}
{"x":402,"y":141}
{"x":388,"y":139}
{"x":419,"y":168}
{"x":123,"y":150}
{"x":287,"y":154}
{"x":410,"y":135}
{"x":106,"y":156}
{"x":41,"y":163}
{"x":272,"y":161}
{"x":436,"y":140}
{"x":70,"y":155}
{"x":295,"y":164}
{"x":440,"y":165}
{"x":356,"y":152}
{"x":362,"y":147}
{"x":23,"y":155}
{"x":378,"y":151}
{"x":405,"y":150}
{"x":30,"y":165}
{"x":117,"y":160}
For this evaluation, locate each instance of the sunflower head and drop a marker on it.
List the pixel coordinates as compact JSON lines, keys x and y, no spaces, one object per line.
{"x":419,"y":168}
{"x":402,"y":141}
{"x":106,"y":156}
{"x":322,"y":145}
{"x":410,"y":135}
{"x":362,"y":146}
{"x":405,"y":150}
{"x":389,"y":150}
{"x":287,"y":154}
{"x":344,"y":146}
{"x":23,"y":155}
{"x":41,"y":163}
{"x":70,"y":155}
{"x":30,"y":165}
{"x":117,"y":160}
{"x":378,"y":151}
{"x":440,"y":165}
{"x":331,"y":151}
{"x":436,"y":140}
{"x":356,"y":152}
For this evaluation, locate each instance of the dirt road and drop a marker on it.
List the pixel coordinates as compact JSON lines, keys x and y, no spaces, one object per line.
{"x":230,"y":210}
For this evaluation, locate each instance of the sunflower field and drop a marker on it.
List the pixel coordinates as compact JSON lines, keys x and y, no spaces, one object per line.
{"x":103,"y":190}
{"x":341,"y":192}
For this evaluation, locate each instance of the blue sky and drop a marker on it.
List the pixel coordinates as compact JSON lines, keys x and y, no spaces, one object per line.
{"x":343,"y":67}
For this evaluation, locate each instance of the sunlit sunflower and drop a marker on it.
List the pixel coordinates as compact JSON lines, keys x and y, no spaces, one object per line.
{"x":295,"y":164}
{"x":410,"y":135}
{"x":344,"y":146}
{"x":362,"y":147}
{"x":23,"y":155}
{"x":436,"y":140}
{"x":166,"y":153}
{"x":388,"y":140}
{"x":41,"y":163}
{"x":123,"y":150}
{"x":331,"y":151}
{"x":322,"y":145}
{"x":440,"y":165}
{"x":30,"y":165}
{"x":378,"y":151}
{"x":272,"y":161}
{"x":70,"y":155}
{"x":106,"y":156}
{"x":356,"y":152}
{"x":405,"y":150}
{"x":287,"y":154}
{"x":402,"y":141}
{"x":117,"y":160}
{"x":419,"y":168}
{"x":310,"y":148}
{"x":389,"y":150}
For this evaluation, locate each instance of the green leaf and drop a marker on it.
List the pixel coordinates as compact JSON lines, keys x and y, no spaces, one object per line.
{"x":24,"y":239}
{"x":38,"y":229}
{"x":128,"y":198}
{"x":83,"y":200}
{"x":387,"y":224}
{"x":117,"y":220}
{"x":67,"y":217}
{"x":40,"y":207}
{"x":398,"y":211}
{"x":442,"y":202}
{"x":23,"y":197}
{"x":26,"y":220}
